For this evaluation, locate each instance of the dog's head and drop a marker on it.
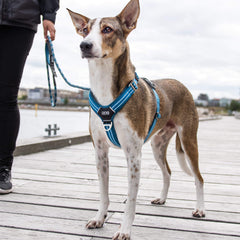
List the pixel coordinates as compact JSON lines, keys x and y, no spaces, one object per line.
{"x":106,"y":37}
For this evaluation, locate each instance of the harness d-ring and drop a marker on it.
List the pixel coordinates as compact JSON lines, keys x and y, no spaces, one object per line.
{"x":107,"y":126}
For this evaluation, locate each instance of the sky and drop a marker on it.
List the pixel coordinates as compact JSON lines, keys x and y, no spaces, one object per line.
{"x":194,"y":41}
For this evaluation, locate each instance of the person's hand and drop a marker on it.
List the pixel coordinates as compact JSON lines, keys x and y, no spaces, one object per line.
{"x":48,"y":26}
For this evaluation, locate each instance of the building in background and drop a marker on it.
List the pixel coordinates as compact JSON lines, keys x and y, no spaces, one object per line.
{"x":36,"y":94}
{"x":214,"y":102}
{"x":202,"y":100}
{"x":225,"y":102}
{"x":64,"y":97}
{"x":22,"y":93}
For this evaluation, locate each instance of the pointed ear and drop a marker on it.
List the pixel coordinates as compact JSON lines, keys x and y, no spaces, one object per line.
{"x":79,"y":21}
{"x":129,"y":16}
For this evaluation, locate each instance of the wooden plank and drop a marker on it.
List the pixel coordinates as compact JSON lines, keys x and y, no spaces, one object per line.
{"x":47,"y":211}
{"x":9,"y":233}
{"x":79,"y":178}
{"x":87,"y":157}
{"x":77,"y":191}
{"x":147,"y":162}
{"x":211,"y":187}
{"x":144,"y":209}
{"x":76,"y":228}
{"x":117,"y":155}
{"x":190,"y":225}
{"x":155,"y":176}
{"x":51,"y":225}
{"x":154,"y":173}
{"x":146,"y":184}
{"x":62,"y":189}
{"x":142,"y":194}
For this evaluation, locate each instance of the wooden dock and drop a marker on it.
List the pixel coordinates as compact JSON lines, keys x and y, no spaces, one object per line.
{"x":56,"y":192}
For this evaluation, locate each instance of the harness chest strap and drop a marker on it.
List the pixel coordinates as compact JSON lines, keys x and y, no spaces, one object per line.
{"x":107,"y":113}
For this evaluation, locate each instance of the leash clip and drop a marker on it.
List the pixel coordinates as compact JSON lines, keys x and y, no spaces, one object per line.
{"x":52,"y":65}
{"x":157,"y":115}
{"x":51,"y":58}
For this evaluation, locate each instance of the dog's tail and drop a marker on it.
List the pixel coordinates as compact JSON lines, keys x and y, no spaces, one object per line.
{"x":182,"y":157}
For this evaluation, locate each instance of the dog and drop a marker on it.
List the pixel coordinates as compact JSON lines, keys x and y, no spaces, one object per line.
{"x":106,"y":48}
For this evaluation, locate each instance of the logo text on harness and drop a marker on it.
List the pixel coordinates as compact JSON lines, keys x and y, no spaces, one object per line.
{"x":105,"y":113}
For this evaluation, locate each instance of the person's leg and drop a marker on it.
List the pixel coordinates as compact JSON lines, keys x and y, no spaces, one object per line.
{"x":15,"y":44}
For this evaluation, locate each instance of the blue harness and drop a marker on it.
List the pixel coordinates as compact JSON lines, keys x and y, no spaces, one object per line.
{"x":107,"y":113}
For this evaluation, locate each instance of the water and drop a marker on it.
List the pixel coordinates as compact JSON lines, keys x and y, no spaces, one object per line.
{"x":32,"y":126}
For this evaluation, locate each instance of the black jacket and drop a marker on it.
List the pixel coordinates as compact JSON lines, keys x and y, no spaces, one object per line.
{"x":26,"y":13}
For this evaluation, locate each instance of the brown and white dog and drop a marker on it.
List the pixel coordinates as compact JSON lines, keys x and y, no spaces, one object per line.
{"x":111,"y":70}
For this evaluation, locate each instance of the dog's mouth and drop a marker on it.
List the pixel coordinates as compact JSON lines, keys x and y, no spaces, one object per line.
{"x":92,"y":56}
{"x":87,"y":55}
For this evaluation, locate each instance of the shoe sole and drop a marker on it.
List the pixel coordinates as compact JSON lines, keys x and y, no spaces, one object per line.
{"x":2,"y":191}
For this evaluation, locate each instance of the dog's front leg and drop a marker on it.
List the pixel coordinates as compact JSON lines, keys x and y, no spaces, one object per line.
{"x":101,"y":154}
{"x":134,"y":164}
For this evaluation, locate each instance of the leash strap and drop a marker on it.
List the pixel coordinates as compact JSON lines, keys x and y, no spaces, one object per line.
{"x":51,"y":61}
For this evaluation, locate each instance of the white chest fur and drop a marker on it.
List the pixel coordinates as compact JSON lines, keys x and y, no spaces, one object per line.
{"x":101,"y":71}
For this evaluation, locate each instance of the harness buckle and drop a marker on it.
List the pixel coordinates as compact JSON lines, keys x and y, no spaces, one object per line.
{"x":133,"y":85}
{"x":150,"y":83}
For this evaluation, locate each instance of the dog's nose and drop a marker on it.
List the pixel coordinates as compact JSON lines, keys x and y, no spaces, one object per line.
{"x":86,"y":46}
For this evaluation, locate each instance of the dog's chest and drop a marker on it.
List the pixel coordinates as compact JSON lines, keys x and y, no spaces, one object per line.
{"x":101,"y":80}
{"x":101,"y":85}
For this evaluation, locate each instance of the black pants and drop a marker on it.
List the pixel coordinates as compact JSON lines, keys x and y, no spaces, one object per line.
{"x":15,"y":44}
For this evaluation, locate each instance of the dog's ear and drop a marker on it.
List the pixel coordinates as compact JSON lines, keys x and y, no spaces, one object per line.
{"x":129,"y":16}
{"x":79,"y":21}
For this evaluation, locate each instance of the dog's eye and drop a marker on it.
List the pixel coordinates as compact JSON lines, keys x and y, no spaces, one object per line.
{"x":85,"y":30}
{"x":107,"y":30}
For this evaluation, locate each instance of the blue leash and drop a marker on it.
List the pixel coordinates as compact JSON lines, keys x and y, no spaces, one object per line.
{"x":51,"y":62}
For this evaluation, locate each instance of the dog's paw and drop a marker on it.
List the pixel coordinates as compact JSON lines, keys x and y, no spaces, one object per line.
{"x":158,"y":201}
{"x":94,"y":224}
{"x":121,"y":236}
{"x":198,"y":213}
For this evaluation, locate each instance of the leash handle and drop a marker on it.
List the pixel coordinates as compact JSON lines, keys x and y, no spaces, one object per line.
{"x":51,"y":61}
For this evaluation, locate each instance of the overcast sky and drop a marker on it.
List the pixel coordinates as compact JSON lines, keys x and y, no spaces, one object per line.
{"x":194,"y":41}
